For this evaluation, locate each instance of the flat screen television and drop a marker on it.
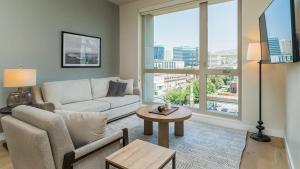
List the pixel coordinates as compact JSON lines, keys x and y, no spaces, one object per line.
{"x":278,"y":33}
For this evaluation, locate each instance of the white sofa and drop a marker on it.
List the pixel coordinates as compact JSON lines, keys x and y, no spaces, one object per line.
{"x":87,"y":95}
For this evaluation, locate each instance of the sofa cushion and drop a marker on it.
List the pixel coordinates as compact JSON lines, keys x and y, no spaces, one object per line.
{"x":100,"y":86}
{"x":116,"y":89}
{"x":68,"y":91}
{"x":84,"y":127}
{"x":120,"y":101}
{"x":87,"y":106}
{"x":129,"y":87}
{"x":53,"y":124}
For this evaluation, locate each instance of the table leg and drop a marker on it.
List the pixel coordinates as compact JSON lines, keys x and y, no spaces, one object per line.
{"x":5,"y":146}
{"x":179,"y":128}
{"x":174,"y":162}
{"x":148,"y":127}
{"x":163,"y":134}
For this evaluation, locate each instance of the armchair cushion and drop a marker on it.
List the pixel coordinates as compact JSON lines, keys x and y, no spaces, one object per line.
{"x":84,"y":127}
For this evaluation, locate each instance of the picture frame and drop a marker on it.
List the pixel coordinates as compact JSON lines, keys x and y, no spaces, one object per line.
{"x":80,"y":51}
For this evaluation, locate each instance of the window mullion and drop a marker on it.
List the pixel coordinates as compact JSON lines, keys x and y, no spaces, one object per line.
{"x":148,"y":41}
{"x":172,"y":71}
{"x":203,"y":54}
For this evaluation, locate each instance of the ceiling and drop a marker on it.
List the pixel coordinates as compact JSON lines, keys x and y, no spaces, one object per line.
{"x":121,"y":2}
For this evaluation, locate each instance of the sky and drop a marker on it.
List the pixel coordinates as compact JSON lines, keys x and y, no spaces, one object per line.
{"x":182,"y":28}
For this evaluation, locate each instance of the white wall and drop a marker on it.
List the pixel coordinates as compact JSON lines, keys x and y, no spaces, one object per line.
{"x":274,"y":75}
{"x":293,"y":113}
{"x":293,"y":106}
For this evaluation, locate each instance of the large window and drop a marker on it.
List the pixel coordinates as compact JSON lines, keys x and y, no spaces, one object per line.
{"x":191,"y":57}
{"x":174,"y":41}
{"x":179,"y":89}
{"x":222,"y":35}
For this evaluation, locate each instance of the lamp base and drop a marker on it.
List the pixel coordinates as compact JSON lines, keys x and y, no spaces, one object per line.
{"x":259,"y":136}
{"x":20,"y":97}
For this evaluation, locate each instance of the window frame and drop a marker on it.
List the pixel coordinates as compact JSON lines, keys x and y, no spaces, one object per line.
{"x":203,"y":70}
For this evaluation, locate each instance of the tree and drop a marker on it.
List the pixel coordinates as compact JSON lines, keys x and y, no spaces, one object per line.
{"x":177,"y":96}
{"x":211,"y":88}
{"x":217,"y":81}
{"x":227,"y":80}
{"x":196,"y":90}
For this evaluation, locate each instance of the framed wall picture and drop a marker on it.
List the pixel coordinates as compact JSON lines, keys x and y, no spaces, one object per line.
{"x":80,"y":51}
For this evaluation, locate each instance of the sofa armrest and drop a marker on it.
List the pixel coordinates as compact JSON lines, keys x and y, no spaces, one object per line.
{"x":38,"y":101}
{"x":96,"y":145}
{"x":37,"y":95}
{"x":46,"y":106}
{"x":136,"y":91}
{"x":82,"y":152}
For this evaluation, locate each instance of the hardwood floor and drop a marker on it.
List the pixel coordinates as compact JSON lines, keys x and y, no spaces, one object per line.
{"x":256,"y":155}
{"x":5,"y":162}
{"x":259,"y":155}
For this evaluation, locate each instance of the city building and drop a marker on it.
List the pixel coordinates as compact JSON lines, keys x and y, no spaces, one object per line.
{"x":189,"y":55}
{"x":159,"y":52}
{"x":164,"y":82}
{"x":168,"y":64}
{"x":168,"y":53}
{"x":226,"y":58}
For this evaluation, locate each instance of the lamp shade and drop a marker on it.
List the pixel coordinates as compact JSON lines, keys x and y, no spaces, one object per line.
{"x":254,"y":52}
{"x":19,"y":77}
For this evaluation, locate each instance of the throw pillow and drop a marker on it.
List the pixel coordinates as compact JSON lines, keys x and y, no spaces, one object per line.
{"x":129,"y":87}
{"x":116,"y":88}
{"x":84,"y":127}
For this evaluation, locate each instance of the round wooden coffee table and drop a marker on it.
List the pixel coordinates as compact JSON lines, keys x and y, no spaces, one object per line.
{"x":177,"y":117}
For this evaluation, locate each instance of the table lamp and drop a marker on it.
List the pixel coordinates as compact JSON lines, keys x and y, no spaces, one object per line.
{"x":254,"y":54}
{"x":19,"y":78}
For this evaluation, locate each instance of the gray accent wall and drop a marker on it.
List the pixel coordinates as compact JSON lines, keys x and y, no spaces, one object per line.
{"x":30,"y":36}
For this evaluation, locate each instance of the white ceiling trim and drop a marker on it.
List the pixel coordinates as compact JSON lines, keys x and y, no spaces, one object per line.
{"x":159,"y":8}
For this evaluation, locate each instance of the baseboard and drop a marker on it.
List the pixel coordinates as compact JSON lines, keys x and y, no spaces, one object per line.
{"x":235,"y":124}
{"x":288,"y":154}
{"x":275,"y":133}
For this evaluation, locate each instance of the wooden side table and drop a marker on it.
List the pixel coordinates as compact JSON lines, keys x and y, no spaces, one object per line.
{"x":140,"y":154}
{"x":177,"y":117}
{"x":3,"y":112}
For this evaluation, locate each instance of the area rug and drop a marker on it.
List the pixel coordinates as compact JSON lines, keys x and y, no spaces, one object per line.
{"x":203,"y":146}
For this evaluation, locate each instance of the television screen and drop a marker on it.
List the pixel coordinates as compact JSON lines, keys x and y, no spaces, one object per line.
{"x":277,"y":31}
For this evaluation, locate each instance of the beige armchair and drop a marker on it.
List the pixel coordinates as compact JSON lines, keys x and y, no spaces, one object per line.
{"x":39,"y":139}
